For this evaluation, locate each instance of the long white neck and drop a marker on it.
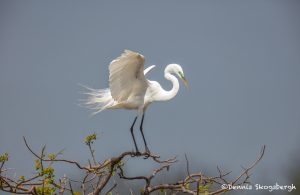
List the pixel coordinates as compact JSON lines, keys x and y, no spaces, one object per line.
{"x":167,"y":95}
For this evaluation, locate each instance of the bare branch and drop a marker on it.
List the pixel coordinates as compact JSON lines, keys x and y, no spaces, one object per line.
{"x":103,"y":172}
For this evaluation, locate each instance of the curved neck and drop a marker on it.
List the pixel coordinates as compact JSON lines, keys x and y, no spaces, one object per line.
{"x":167,"y":95}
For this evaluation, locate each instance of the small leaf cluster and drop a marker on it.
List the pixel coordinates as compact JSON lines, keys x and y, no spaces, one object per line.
{"x":46,"y":190}
{"x":22,"y":178}
{"x":4,"y":157}
{"x":48,"y":172}
{"x":90,"y":139}
{"x":49,"y":187}
{"x":52,"y":156}
{"x":38,"y":164}
{"x":205,"y":188}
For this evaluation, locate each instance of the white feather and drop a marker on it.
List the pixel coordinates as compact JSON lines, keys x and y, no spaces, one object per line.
{"x":98,"y":99}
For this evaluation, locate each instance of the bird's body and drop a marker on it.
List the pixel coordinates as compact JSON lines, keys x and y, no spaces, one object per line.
{"x":129,"y":88}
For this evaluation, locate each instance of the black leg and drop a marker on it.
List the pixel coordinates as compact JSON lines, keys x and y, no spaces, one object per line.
{"x":141,"y":129}
{"x":131,"y":130}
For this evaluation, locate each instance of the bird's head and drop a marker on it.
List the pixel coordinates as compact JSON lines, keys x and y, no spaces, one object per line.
{"x":177,"y":70}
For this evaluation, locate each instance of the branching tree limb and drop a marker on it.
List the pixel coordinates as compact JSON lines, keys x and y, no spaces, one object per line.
{"x":98,"y":176}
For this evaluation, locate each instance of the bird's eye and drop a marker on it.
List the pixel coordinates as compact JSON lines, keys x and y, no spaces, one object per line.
{"x":180,"y":74}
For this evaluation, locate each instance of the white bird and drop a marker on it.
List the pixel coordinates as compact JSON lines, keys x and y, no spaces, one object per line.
{"x":129,"y":89}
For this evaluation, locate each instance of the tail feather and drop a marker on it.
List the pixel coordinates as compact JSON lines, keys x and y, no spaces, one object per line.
{"x":98,"y":99}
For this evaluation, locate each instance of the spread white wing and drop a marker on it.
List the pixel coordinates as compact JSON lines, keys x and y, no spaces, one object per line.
{"x":126,"y":76}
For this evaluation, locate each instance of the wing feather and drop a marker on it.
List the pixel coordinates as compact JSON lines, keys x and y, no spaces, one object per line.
{"x":147,"y":70}
{"x":126,"y":76}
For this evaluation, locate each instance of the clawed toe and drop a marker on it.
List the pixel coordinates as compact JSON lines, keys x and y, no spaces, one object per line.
{"x":147,"y":153}
{"x":136,"y":153}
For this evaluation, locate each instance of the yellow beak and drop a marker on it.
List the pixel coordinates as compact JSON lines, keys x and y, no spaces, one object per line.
{"x":185,"y":82}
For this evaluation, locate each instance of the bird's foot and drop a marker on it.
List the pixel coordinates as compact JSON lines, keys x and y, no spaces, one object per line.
{"x":147,"y":153}
{"x":136,"y":153}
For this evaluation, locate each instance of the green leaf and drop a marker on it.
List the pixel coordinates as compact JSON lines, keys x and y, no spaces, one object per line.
{"x":90,"y":139}
{"x":4,"y":157}
{"x":204,"y":188}
{"x":48,"y":171}
{"x":187,"y":186}
{"x":38,"y":164}
{"x":22,"y":178}
{"x":52,"y":156}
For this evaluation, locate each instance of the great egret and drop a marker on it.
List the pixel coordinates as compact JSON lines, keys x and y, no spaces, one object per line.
{"x":129,"y":89}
